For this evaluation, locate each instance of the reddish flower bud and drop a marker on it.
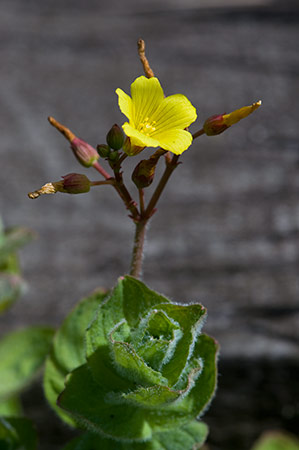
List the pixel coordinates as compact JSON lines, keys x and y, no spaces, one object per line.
{"x":217,"y":124}
{"x":85,"y":153}
{"x":214,"y":125}
{"x":115,"y":137}
{"x":73,"y":183}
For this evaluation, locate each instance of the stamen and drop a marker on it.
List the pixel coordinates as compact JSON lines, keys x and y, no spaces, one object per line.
{"x":146,"y":127}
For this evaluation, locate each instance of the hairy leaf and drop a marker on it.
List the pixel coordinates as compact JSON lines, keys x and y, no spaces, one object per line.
{"x":68,"y":349}
{"x":188,"y":437}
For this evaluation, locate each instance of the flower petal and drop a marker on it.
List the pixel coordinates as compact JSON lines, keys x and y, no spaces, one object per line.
{"x":175,"y":111}
{"x":176,"y":141}
{"x":147,"y":95}
{"x":139,"y":139}
{"x":125,"y":103}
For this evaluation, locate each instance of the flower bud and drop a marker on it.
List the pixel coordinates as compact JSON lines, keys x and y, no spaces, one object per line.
{"x":214,"y":125}
{"x":85,"y":153}
{"x":115,"y":137}
{"x":143,"y":174}
{"x":131,"y":150}
{"x":73,"y":183}
{"x":217,"y":124}
{"x":103,"y":150}
{"x":114,"y":156}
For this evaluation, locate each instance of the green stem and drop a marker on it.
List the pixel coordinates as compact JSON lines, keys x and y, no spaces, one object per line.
{"x":137,"y":256}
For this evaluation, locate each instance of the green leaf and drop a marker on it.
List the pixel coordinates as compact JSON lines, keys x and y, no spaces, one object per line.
{"x":199,"y":396}
{"x":10,"y":264}
{"x":86,"y":401}
{"x":22,"y":353}
{"x":17,"y":434}
{"x":68,"y":350}
{"x":274,"y":440}
{"x":191,"y":319}
{"x":12,"y":240}
{"x":190,"y":437}
{"x":11,"y":286}
{"x":130,"y":300}
{"x":131,"y":366}
{"x":152,"y":397}
{"x":197,"y":401}
{"x":155,"y":338}
{"x":11,"y":406}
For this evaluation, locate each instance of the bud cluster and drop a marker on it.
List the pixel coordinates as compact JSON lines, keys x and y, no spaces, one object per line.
{"x":115,"y":141}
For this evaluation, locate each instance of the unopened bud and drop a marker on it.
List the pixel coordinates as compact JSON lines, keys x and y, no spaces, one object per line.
{"x":85,"y":153}
{"x":131,"y":150}
{"x":144,"y":173}
{"x":214,"y":125}
{"x":103,"y":150}
{"x":115,"y":137}
{"x":217,"y":124}
{"x":114,"y":156}
{"x":72,"y":183}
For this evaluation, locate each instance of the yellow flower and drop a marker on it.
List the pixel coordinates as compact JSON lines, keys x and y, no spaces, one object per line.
{"x":155,"y":120}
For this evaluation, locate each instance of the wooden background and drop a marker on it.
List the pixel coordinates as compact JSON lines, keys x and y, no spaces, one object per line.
{"x":226,"y":233}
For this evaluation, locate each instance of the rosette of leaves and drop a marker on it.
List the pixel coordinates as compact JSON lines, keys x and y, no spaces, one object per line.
{"x":138,"y":375}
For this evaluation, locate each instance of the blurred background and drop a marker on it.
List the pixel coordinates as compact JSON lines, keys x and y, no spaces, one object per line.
{"x":226,"y":233}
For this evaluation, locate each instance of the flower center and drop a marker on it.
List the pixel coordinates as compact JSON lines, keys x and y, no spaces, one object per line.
{"x":146,"y":127}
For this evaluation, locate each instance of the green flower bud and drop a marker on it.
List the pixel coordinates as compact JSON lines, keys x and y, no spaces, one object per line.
{"x":115,"y":137}
{"x":114,"y":156}
{"x":103,"y":150}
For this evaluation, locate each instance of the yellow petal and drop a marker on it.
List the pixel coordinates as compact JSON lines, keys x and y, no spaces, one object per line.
{"x":175,"y":112}
{"x":125,"y":103}
{"x":147,"y":94}
{"x":176,"y":141}
{"x":139,"y":139}
{"x":235,"y":116}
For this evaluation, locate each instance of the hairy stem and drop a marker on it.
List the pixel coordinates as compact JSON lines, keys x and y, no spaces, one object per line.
{"x":137,"y":256}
